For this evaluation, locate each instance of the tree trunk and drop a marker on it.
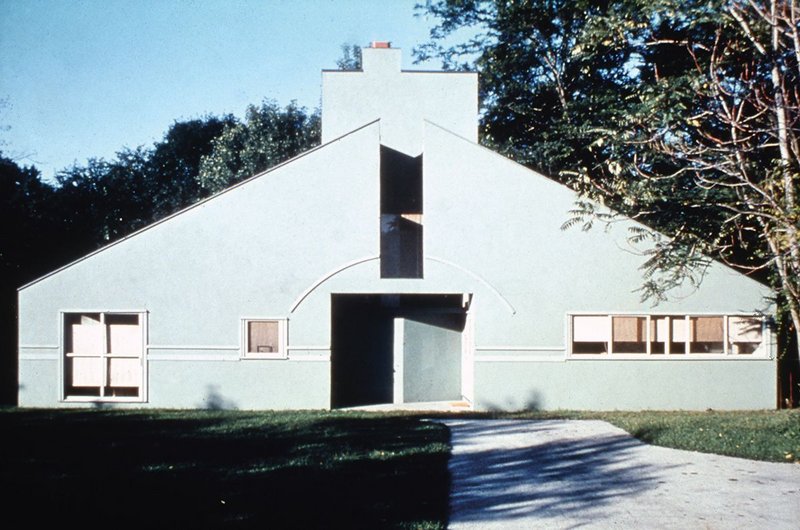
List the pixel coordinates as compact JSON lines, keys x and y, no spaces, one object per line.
{"x":786,"y":275}
{"x":796,"y":321}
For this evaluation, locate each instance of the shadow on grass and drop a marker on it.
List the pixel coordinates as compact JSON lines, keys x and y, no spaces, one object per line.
{"x":649,"y":434}
{"x":109,"y":469}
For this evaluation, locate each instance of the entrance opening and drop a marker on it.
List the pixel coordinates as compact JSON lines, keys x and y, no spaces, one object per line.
{"x":400,"y":348}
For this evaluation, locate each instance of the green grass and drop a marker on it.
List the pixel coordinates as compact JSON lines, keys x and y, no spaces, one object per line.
{"x":223,"y":469}
{"x":758,"y":435}
{"x":206,"y":469}
{"x":762,"y":435}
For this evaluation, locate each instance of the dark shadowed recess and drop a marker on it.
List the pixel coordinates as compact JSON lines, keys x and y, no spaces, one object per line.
{"x":362,"y":343}
{"x":208,"y":469}
{"x":401,"y":215}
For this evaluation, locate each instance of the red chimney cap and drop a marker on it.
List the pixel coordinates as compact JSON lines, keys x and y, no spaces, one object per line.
{"x":381,"y":44}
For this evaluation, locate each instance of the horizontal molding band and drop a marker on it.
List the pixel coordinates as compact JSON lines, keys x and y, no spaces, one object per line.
{"x":38,"y":356}
{"x":37,"y":347}
{"x":224,"y":348}
{"x":618,"y":358}
{"x":186,"y":347}
{"x":518,"y":359}
{"x":162,"y":357}
{"x":158,"y":357}
{"x":309,"y":358}
{"x":670,"y":358}
{"x":520,"y":348}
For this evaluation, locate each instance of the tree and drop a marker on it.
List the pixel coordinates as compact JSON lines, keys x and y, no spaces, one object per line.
{"x":23,"y":217}
{"x":546,"y":83}
{"x":139,"y":186}
{"x":102,"y":201}
{"x":735,"y":137}
{"x":351,"y":57}
{"x":174,"y":162}
{"x":681,"y":114}
{"x":269,"y":135}
{"x":559,"y":83}
{"x":27,"y":239}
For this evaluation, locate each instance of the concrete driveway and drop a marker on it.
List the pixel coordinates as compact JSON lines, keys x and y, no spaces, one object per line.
{"x":590,"y":474}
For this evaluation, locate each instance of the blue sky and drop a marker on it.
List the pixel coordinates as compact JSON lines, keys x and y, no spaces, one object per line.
{"x":85,"y":78}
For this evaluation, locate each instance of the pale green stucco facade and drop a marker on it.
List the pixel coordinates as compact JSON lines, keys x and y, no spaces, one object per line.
{"x":284,"y":243}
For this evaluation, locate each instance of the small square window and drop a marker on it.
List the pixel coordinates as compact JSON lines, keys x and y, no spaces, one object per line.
{"x":264,"y":339}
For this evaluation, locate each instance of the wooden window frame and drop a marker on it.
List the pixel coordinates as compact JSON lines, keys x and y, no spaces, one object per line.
{"x":104,"y":356}
{"x":762,"y":351}
{"x":282,"y":353}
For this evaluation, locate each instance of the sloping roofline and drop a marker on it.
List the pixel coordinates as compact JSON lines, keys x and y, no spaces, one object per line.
{"x":556,"y":183}
{"x":361,"y":70}
{"x":195,"y":205}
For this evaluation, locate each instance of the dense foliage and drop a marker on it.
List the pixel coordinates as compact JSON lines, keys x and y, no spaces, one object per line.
{"x":268,"y":136}
{"x":350,"y":58}
{"x":27,"y":241}
{"x":114,"y":198}
{"x":683,"y":114}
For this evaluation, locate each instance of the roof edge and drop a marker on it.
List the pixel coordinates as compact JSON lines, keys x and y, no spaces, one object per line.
{"x":402,"y":71}
{"x":194,"y":205}
{"x":610,"y":209}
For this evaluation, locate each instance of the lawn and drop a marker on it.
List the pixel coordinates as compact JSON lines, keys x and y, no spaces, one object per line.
{"x":211,"y":469}
{"x":771,"y":435}
{"x":760,"y":435}
{"x":217,"y":469}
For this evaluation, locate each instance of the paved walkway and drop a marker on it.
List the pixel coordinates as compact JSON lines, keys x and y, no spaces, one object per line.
{"x":590,"y":474}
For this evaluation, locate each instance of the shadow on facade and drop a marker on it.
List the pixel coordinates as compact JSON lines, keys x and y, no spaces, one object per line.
{"x":531,"y":404}
{"x":214,"y":400}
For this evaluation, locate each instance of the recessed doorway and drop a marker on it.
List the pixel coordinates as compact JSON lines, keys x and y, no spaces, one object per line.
{"x":396,"y":348}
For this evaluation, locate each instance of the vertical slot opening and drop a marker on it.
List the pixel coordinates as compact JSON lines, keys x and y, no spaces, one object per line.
{"x":401,"y":215}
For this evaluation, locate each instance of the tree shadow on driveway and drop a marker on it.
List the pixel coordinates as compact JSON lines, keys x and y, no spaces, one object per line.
{"x":507,"y":470}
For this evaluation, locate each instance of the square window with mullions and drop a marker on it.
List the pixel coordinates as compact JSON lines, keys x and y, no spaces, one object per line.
{"x":103,"y":356}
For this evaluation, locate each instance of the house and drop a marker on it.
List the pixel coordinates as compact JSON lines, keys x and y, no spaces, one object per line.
{"x":398,"y":262}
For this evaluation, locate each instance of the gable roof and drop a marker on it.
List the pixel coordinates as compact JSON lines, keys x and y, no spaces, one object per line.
{"x":552,"y":192}
{"x":196,"y":205}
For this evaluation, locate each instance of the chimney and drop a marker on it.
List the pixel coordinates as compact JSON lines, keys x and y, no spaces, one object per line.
{"x":402,"y":100}
{"x":381,"y":59}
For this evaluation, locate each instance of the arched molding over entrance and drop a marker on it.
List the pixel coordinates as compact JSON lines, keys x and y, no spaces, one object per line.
{"x":355,"y":263}
{"x":327,"y":276}
{"x":478,"y":277}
